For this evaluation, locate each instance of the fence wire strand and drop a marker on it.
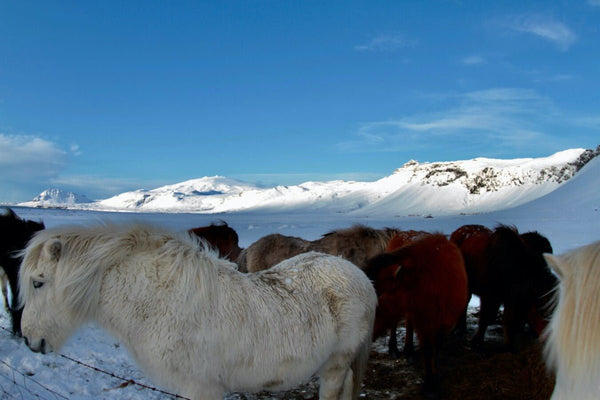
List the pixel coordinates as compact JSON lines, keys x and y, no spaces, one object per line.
{"x":23,"y":382}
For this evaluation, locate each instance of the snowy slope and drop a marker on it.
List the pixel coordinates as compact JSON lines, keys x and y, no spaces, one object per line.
{"x":442,"y":188}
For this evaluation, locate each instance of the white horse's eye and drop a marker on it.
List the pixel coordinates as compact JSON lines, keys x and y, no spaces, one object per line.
{"x":38,"y":284}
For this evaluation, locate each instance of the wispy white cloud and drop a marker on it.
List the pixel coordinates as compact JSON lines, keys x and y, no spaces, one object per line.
{"x":594,"y":3}
{"x":505,"y":118}
{"x":29,"y":157}
{"x":387,"y":43}
{"x":473,"y":60}
{"x":543,"y":27}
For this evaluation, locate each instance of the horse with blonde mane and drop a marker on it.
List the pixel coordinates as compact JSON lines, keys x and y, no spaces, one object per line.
{"x":573,"y":335}
{"x":192,"y":321}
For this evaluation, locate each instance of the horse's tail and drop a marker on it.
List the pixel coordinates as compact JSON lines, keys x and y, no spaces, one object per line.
{"x":359,"y":366}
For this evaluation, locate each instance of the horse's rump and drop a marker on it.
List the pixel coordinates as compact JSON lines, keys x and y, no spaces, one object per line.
{"x":356,"y":244}
{"x":270,"y":250}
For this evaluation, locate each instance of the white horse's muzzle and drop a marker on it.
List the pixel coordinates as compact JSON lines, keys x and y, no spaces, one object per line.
{"x":38,"y":346}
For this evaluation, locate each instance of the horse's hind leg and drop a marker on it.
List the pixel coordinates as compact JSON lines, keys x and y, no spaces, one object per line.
{"x":487,"y":315}
{"x":393,"y":350}
{"x":336,"y":378}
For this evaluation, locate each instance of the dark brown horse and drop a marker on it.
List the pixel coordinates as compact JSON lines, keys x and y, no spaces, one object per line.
{"x":356,"y":244}
{"x":14,"y":235}
{"x":472,"y":240}
{"x":221,"y":237}
{"x":507,"y":268}
{"x":424,"y":282}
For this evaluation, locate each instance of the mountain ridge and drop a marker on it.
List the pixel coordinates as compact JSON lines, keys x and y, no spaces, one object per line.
{"x":466,"y":186}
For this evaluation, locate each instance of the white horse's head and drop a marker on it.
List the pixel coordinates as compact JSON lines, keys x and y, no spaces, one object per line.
{"x":57,"y":290}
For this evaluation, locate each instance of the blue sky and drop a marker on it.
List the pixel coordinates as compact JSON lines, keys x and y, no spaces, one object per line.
{"x":102,"y":97}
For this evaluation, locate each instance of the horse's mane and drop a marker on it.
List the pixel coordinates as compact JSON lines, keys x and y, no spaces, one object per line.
{"x":573,"y":345}
{"x":88,"y":251}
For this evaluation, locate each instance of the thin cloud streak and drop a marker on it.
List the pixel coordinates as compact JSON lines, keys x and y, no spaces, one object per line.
{"x":387,"y":43}
{"x":545,"y":28}
{"x":473,"y":60}
{"x":508,"y":118}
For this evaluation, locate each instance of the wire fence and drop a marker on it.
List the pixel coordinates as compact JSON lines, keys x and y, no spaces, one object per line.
{"x":18,"y":384}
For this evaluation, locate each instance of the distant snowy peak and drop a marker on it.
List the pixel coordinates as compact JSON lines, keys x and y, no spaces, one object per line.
{"x":58,"y":197}
{"x":482,"y":175}
{"x":167,"y":197}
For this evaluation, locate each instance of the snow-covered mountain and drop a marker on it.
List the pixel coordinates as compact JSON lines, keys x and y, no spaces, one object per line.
{"x":57,"y":198}
{"x":439,"y":188}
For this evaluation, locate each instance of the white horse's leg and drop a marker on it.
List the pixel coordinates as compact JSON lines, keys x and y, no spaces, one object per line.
{"x":335,"y":379}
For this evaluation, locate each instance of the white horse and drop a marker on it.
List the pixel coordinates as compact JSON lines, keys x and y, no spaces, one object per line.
{"x":573,"y":344}
{"x":191,"y":320}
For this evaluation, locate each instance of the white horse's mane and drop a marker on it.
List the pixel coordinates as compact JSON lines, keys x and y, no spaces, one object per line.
{"x":573,"y":344}
{"x":86,"y":252}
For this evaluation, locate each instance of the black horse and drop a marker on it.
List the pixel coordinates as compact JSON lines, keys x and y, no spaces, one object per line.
{"x":517,"y":277}
{"x":14,"y":235}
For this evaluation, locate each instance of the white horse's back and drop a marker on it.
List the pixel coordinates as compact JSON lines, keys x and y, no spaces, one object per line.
{"x":192,"y":321}
{"x":573,"y":344}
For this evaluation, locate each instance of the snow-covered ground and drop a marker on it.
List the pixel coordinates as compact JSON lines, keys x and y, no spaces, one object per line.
{"x":568,"y":216}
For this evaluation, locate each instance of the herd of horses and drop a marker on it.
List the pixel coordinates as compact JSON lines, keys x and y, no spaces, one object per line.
{"x":323,"y":300}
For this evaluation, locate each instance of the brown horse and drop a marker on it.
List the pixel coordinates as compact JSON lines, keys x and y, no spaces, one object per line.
{"x":221,"y":237}
{"x":424,"y":282}
{"x":400,"y":239}
{"x":14,"y":235}
{"x":472,"y":240}
{"x":356,"y":244}
{"x":508,"y":268}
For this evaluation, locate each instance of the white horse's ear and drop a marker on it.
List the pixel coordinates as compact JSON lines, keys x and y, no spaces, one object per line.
{"x":52,"y":249}
{"x":555,"y":264}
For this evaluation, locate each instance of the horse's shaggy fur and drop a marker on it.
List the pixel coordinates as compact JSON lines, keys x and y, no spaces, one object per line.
{"x":194,"y":322}
{"x":356,"y":244}
{"x":573,"y":343}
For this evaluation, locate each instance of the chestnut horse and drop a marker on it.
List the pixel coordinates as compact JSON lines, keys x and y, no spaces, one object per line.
{"x":424,"y":282}
{"x":400,"y":239}
{"x":507,"y":268}
{"x":14,"y":235}
{"x":221,"y":237}
{"x":356,"y":244}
